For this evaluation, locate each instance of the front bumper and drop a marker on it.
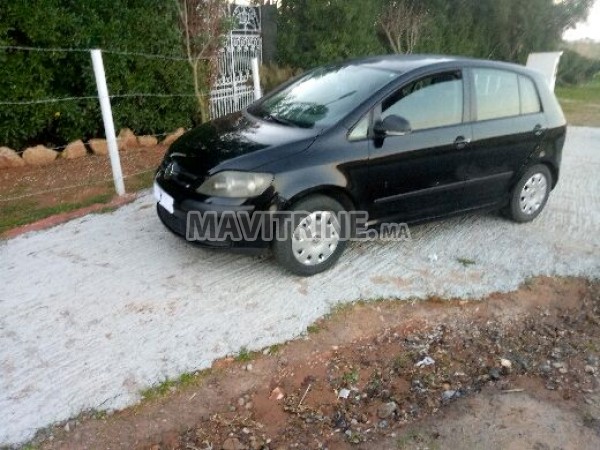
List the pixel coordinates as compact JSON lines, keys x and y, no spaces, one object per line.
{"x":178,"y":221}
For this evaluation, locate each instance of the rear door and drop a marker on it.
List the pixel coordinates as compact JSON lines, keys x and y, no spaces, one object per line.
{"x":509,"y":126}
{"x":421,"y":174}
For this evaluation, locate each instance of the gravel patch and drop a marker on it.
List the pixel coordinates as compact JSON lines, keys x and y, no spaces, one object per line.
{"x":97,"y":309}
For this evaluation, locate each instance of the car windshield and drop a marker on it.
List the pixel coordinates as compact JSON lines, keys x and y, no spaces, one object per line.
{"x":323,"y":96}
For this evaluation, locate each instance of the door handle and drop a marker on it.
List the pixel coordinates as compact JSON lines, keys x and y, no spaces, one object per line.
{"x":539,"y":130}
{"x":461,"y":142}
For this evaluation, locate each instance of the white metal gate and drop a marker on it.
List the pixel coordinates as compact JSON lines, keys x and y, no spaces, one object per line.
{"x":233,"y":89}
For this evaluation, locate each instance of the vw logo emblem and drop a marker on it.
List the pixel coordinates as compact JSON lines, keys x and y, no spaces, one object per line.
{"x":170,"y":171}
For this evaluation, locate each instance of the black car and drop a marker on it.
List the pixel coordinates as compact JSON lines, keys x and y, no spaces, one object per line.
{"x":403,"y":138}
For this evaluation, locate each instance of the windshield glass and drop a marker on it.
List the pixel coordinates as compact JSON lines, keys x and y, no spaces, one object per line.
{"x":323,"y":96}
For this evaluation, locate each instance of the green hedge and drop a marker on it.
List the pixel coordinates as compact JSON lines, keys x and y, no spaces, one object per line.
{"x":576,"y":69}
{"x":147,"y":26}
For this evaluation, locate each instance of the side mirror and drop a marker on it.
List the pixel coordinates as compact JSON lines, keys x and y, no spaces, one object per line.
{"x":392,"y":126}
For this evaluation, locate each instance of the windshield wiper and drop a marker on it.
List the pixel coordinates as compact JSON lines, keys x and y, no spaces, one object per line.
{"x":280,"y":120}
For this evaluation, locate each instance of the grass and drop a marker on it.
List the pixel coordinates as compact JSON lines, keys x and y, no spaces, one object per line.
{"x":351,"y":377}
{"x":24,"y":212}
{"x":275,"y":348}
{"x":244,"y":355}
{"x":170,"y":385}
{"x":313,"y":329}
{"x":466,"y":262}
{"x":581,"y":103}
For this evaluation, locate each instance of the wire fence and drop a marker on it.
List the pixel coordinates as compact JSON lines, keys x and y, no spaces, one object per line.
{"x":73,"y":186}
{"x":14,"y":195}
{"x":221,"y":101}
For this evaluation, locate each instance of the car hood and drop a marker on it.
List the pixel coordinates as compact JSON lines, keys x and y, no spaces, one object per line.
{"x":237,"y":142}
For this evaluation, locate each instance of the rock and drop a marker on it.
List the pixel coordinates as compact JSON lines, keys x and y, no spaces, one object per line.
{"x":10,"y":158}
{"x":449,"y":395}
{"x":241,"y":401}
{"x":545,"y":368}
{"x":99,"y":146}
{"x":523,"y":363}
{"x":386,"y":410}
{"x":590,"y":369}
{"x":126,"y":139}
{"x":233,"y":443}
{"x":173,"y":137}
{"x":557,"y":365}
{"x":74,"y":150}
{"x":563,"y":370}
{"x":506,"y":363}
{"x":593,"y":360}
{"x":276,"y":394}
{"x":383,"y":424}
{"x":147,"y":141}
{"x":427,"y":361}
{"x":39,"y":155}
{"x":495,"y":374}
{"x":344,"y":393}
{"x":249,"y":367}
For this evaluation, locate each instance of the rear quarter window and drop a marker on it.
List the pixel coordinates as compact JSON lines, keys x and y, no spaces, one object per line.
{"x":530,"y":99}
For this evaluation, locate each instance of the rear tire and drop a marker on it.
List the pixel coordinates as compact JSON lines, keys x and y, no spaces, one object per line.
{"x":308,"y":256}
{"x":530,"y":194}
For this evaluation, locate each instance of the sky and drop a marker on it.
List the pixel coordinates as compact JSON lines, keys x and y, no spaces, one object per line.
{"x":589,"y":29}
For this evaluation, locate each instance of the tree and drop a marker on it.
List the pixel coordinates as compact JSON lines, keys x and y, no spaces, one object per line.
{"x":204,"y":24}
{"x":402,"y":22}
{"x":315,"y":32}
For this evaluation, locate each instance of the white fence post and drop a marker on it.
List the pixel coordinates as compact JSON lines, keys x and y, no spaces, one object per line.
{"x":256,"y":78}
{"x":109,"y":126}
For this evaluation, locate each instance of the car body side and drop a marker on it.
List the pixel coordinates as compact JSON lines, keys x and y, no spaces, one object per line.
{"x":357,"y":172}
{"x":342,"y":168}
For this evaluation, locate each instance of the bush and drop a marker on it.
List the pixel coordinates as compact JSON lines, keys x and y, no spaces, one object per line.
{"x":272,"y":76}
{"x":576,"y":69}
{"x":146,"y":26}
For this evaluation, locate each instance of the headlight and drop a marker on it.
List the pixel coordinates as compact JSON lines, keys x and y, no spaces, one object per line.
{"x":236,"y":184}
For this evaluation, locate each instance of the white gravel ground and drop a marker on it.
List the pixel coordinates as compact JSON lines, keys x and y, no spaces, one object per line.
{"x":95,"y":310}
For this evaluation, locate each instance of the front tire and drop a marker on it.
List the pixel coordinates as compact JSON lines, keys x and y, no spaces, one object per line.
{"x":530,"y":194}
{"x":312,"y":240}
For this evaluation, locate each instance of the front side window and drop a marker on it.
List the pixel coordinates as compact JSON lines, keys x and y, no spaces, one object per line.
{"x":431,"y":102}
{"x":496,"y":94}
{"x":361,"y":130}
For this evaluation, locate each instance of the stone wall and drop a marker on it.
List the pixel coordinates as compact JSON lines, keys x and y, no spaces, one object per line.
{"x":40,"y":155}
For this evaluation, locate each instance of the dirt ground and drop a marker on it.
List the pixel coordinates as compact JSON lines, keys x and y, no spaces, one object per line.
{"x":30,"y":193}
{"x":515,"y":370}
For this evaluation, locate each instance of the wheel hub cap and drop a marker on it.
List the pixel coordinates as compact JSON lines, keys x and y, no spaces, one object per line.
{"x":316,"y":238}
{"x":533,"y":193}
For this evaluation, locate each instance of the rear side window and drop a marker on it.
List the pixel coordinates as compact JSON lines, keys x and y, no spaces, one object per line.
{"x":431,"y":102}
{"x":530,"y":101}
{"x":496,"y":93}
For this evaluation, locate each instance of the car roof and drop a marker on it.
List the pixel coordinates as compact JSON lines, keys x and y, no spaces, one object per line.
{"x":408,"y":63}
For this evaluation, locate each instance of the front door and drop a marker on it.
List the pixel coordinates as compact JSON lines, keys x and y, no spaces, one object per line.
{"x":421,"y":174}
